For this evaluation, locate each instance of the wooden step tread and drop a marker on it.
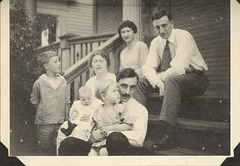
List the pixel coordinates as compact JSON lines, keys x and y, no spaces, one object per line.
{"x":207,"y":95}
{"x":180,"y":151}
{"x":197,"y":107}
{"x":176,"y":151}
{"x":192,"y":124}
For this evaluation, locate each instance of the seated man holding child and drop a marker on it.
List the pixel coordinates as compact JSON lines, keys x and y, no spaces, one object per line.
{"x":121,"y":140}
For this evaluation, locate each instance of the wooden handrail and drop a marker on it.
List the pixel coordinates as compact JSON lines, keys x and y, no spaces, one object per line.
{"x":77,"y":69}
{"x":81,"y":40}
{"x":88,"y":39}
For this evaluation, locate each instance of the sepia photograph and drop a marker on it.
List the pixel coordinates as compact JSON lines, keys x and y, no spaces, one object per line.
{"x":135,"y":82}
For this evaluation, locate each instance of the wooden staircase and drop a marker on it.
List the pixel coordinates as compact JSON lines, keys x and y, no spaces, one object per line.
{"x":203,"y":126}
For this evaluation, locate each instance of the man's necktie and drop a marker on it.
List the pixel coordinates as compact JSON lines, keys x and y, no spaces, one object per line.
{"x":166,"y":58}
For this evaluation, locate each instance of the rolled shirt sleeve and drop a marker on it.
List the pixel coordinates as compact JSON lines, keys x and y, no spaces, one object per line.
{"x":152,"y":63}
{"x":184,"y":52}
{"x":137,"y":136}
{"x":139,"y":114}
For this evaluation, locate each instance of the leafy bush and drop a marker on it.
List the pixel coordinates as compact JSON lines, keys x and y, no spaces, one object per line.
{"x":25,"y":38}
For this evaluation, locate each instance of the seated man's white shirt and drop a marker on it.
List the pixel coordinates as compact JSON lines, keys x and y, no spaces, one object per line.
{"x":139,"y":117}
{"x":184,"y":53}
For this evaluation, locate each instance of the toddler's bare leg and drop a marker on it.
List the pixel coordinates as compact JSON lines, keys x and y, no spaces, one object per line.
{"x":103,"y":151}
{"x":93,"y":152}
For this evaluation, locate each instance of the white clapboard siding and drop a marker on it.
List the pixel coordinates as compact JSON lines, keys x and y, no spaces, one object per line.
{"x":76,"y":18}
{"x":109,"y":15}
{"x":80,"y":19}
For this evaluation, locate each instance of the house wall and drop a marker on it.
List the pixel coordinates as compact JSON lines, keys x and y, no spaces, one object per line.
{"x":84,"y":17}
{"x":209,"y":23}
{"x":81,"y":17}
{"x":109,"y":15}
{"x":77,"y":18}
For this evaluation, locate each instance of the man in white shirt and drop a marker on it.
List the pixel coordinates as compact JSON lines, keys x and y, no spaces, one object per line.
{"x":128,"y":142}
{"x":175,"y":53}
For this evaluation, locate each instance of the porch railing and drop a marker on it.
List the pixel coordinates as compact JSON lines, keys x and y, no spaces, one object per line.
{"x":75,"y":54}
{"x":74,"y":48}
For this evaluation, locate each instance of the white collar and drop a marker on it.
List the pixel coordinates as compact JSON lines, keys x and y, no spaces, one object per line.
{"x":53,"y":84}
{"x":171,"y":37}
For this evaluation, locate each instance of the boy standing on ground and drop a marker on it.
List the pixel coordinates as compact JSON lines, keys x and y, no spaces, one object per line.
{"x":49,"y":97}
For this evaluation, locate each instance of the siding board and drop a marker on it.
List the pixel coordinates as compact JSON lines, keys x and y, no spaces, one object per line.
{"x":209,"y":23}
{"x":109,"y":15}
{"x":80,"y":19}
{"x":77,"y":18}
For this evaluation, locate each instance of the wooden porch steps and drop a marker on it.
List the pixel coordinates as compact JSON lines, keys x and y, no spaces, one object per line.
{"x":200,"y":125}
{"x":194,"y":137}
{"x":180,"y":151}
{"x":176,"y":151}
{"x":208,"y":107}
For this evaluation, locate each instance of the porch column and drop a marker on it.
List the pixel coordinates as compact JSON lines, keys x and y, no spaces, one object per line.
{"x":65,"y":51}
{"x":66,"y":62}
{"x":132,"y":10}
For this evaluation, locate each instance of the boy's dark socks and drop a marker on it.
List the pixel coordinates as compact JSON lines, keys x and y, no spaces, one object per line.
{"x":68,"y":130}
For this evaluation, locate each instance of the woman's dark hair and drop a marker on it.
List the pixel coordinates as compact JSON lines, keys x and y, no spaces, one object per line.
{"x":127,"y":73}
{"x":159,"y":14}
{"x":101,"y":53}
{"x":127,"y":23}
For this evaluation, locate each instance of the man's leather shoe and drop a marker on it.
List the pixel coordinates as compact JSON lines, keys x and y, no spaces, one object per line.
{"x":165,"y":143}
